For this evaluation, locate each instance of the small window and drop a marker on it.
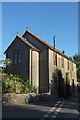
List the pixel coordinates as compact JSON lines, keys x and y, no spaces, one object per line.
{"x":72,"y":67}
{"x":15,"y":58}
{"x":55,"y":59}
{"x":68,"y":65}
{"x":19,"y":56}
{"x":62,"y":62}
{"x":59,"y":62}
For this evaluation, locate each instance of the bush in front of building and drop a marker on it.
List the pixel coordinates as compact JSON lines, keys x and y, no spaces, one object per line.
{"x":68,"y":91}
{"x":16,"y":84}
{"x":61,"y":85}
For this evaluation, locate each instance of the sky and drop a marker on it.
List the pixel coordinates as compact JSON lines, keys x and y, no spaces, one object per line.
{"x":44,"y":19}
{"x":0,"y":27}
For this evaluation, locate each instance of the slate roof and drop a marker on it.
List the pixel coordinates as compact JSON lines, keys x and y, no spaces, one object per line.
{"x":25,"y":41}
{"x":42,"y":41}
{"x":49,"y":46}
{"x":28,"y":43}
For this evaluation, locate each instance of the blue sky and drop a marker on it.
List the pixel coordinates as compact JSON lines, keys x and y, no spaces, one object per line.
{"x":0,"y":27}
{"x":44,"y":20}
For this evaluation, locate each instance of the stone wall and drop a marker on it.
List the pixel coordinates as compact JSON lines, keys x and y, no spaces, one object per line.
{"x":43,"y":63}
{"x":23,"y":67}
{"x":18,"y":99}
{"x":35,"y":70}
{"x":53,"y":90}
{"x":13,"y":98}
{"x":53,"y":69}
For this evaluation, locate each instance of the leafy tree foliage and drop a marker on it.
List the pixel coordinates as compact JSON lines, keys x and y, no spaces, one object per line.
{"x":68,"y":92}
{"x":16,"y":84}
{"x":76,"y":58}
{"x":4,"y":63}
{"x":61,"y":85}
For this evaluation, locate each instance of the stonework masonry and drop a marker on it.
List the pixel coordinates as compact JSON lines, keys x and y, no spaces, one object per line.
{"x":37,"y":63}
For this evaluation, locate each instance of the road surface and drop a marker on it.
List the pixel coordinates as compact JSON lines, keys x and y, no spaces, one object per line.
{"x":52,"y":110}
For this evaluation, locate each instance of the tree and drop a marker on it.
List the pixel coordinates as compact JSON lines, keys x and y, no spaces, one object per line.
{"x":8,"y":61}
{"x":4,"y":63}
{"x":61,"y":85}
{"x":76,"y":58}
{"x":68,"y":91}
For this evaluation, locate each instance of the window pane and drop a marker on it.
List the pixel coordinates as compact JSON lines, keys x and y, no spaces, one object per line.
{"x":55,"y":59}
{"x":68,"y":65}
{"x":15,"y":58}
{"x":62,"y":60}
{"x":19,"y":56}
{"x":72,"y":67}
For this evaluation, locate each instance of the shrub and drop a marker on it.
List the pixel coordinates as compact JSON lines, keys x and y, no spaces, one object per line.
{"x":7,"y":84}
{"x":14,"y":83}
{"x":29,"y":88}
{"x":61,"y":85}
{"x":68,"y":91}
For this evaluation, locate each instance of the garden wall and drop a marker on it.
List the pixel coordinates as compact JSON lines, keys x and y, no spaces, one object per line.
{"x":13,"y":98}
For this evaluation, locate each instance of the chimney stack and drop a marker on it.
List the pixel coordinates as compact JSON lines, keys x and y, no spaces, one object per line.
{"x":54,"y":40}
{"x":63,"y":52}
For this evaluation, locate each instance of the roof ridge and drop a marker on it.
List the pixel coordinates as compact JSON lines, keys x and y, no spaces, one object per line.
{"x":51,"y":47}
{"x":20,"y":36}
{"x":27,"y":42}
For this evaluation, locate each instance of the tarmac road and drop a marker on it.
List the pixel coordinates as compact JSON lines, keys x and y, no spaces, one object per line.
{"x":58,"y":110}
{"x":67,"y":109}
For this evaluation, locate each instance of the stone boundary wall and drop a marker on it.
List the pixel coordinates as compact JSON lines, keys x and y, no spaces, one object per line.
{"x":13,"y":98}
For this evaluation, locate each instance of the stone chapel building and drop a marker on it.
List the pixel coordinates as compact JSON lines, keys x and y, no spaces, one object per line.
{"x":36,"y":60}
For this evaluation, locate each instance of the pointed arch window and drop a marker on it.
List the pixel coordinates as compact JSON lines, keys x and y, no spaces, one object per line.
{"x":15,"y":58}
{"x":19,"y":56}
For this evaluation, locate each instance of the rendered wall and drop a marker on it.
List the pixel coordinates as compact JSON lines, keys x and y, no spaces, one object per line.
{"x":35,"y":70}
